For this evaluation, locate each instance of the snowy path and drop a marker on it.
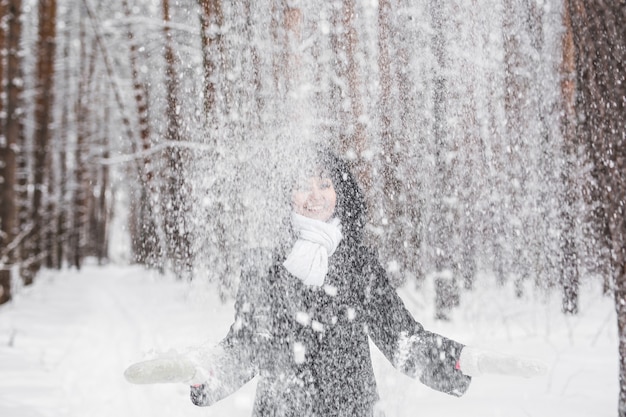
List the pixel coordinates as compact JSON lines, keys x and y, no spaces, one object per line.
{"x":65,"y":342}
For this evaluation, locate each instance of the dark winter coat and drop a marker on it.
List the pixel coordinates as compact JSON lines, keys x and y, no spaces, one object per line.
{"x":309,"y":345}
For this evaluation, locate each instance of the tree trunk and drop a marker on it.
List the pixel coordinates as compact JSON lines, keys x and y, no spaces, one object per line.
{"x":8,"y":163}
{"x":13,"y":136}
{"x":176,"y":204}
{"x":349,"y":100}
{"x":518,"y":105}
{"x":600,"y":45}
{"x":446,"y":285}
{"x":211,"y":20}
{"x":393,"y":237}
{"x":145,"y":237}
{"x":44,"y":101}
{"x":80,"y":200}
{"x":103,"y":210}
{"x":60,"y":225}
{"x":569,"y":265}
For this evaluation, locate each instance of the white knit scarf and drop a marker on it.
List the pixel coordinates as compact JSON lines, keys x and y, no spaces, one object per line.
{"x":317,"y":240}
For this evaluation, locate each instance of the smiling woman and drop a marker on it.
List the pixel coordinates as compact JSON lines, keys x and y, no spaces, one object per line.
{"x":303,"y":325}
{"x":315,"y":198}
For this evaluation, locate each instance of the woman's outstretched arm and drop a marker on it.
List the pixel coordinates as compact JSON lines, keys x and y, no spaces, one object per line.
{"x":432,"y":358}
{"x":233,"y":362}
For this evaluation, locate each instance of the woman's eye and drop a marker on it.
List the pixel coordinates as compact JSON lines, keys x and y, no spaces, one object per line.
{"x":326,"y":184}
{"x":302,"y":189}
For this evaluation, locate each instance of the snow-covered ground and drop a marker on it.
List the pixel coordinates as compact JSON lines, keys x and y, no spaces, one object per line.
{"x":66,"y":340}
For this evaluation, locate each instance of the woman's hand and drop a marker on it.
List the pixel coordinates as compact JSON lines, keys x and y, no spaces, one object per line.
{"x":475,"y":362}
{"x":170,"y":368}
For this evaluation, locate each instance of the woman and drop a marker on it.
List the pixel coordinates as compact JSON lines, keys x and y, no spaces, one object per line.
{"x":303,"y":324}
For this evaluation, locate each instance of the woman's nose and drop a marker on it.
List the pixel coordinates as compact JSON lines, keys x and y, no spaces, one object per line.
{"x":315,"y":192}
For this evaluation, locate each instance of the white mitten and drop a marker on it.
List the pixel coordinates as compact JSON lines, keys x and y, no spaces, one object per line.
{"x":475,"y":362}
{"x":171,"y":368}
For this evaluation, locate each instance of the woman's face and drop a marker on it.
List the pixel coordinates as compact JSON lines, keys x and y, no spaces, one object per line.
{"x":315,"y":198}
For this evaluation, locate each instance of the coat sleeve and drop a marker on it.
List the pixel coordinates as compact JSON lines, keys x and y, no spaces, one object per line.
{"x":233,"y":362}
{"x":407,"y":345}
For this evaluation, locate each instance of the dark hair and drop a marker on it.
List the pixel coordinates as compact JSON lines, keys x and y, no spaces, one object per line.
{"x":350,"y":207}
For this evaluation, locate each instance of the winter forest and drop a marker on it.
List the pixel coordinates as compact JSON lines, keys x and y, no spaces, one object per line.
{"x":488,"y":138}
